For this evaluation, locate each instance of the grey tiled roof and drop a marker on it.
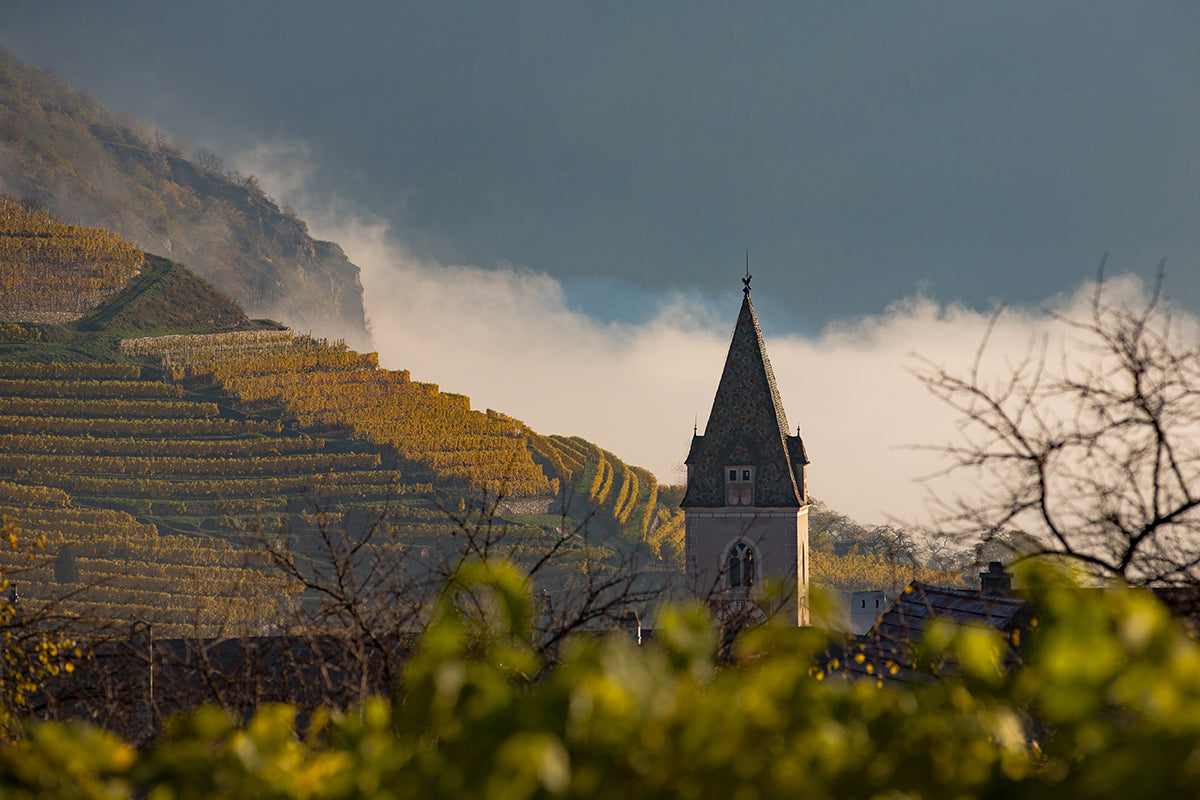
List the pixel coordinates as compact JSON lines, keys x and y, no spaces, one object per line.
{"x":746,"y":426}
{"x":886,"y":652}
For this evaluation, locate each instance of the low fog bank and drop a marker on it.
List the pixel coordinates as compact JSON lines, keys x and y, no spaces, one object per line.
{"x":507,"y":338}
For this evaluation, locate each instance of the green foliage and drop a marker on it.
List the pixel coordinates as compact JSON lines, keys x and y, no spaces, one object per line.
{"x":1104,"y":701}
{"x":65,"y":760}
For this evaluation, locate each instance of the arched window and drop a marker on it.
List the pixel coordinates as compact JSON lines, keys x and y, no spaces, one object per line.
{"x":740,"y":566}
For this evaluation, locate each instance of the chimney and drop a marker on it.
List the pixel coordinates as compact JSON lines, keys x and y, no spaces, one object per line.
{"x":995,"y":580}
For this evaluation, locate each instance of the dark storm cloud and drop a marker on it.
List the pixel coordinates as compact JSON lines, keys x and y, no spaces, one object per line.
{"x":976,"y":152}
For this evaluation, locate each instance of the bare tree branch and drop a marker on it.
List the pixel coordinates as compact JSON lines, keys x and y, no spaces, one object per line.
{"x":1096,"y":458}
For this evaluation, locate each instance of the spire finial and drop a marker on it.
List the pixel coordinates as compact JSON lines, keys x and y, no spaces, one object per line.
{"x":746,"y":280}
{"x":696,"y":426}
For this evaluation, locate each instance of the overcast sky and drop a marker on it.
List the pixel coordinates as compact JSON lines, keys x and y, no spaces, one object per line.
{"x":618,"y":159}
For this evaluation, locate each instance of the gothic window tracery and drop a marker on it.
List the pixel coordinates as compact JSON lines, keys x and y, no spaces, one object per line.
{"x":741,"y":566}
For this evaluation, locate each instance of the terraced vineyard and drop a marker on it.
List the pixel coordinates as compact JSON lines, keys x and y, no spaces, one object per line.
{"x":48,"y":267}
{"x":139,"y":446}
{"x":623,"y":498}
{"x":159,"y":500}
{"x":106,"y":567}
{"x":156,"y":493}
{"x":326,"y":386}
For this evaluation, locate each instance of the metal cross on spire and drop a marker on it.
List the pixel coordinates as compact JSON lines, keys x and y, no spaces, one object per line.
{"x":746,"y":280}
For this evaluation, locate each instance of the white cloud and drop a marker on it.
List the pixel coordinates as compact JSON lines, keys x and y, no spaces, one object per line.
{"x":507,"y":338}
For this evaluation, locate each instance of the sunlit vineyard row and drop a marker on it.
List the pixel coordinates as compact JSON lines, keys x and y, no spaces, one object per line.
{"x":358,"y":484}
{"x":107,"y":407}
{"x":46,"y":444}
{"x":301,"y":356}
{"x":309,"y":463}
{"x":72,"y":427}
{"x":79,"y":371}
{"x":32,"y":387}
{"x":32,"y":496}
{"x":569,"y":453}
{"x":203,"y":343}
{"x":111,"y":534}
{"x":642,"y":507}
{"x":62,"y":521}
{"x":48,"y":265}
{"x":544,"y":449}
{"x":333,"y":393}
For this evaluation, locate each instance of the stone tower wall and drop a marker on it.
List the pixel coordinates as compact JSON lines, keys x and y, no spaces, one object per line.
{"x":780,"y":538}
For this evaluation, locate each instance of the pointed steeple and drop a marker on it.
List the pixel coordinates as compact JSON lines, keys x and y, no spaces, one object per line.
{"x":747,"y":427}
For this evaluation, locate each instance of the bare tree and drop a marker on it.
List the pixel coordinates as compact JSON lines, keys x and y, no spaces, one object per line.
{"x":355,"y":592}
{"x":1094,"y":456}
{"x":207,"y":159}
{"x":376,"y":587}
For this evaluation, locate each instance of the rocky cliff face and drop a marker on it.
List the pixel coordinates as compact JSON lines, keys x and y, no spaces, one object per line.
{"x":67,"y":152}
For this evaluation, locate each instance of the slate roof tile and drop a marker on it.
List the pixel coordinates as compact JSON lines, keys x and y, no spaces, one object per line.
{"x":747,"y":425}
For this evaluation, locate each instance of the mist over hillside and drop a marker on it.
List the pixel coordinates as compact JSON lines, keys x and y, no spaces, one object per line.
{"x":66,"y":152}
{"x":870,"y":427}
{"x":510,"y":336}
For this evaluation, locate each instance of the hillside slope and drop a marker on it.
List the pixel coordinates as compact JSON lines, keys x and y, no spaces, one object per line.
{"x":64,"y":150}
{"x":167,"y":297}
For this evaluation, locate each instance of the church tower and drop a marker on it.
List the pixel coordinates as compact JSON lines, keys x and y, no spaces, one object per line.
{"x":746,"y":505}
